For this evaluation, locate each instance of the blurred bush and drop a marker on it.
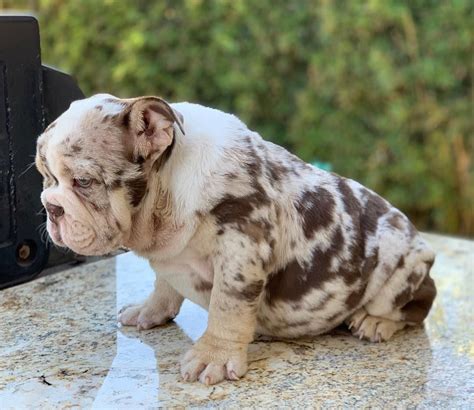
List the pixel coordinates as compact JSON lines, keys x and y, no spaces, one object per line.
{"x":380,"y":89}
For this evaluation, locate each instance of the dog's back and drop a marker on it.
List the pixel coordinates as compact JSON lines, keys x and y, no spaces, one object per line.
{"x":337,"y":248}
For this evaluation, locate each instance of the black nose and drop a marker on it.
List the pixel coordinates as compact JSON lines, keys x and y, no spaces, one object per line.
{"x":54,"y":211}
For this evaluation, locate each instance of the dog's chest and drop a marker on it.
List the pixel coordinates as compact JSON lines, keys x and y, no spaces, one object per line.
{"x":190,"y":274}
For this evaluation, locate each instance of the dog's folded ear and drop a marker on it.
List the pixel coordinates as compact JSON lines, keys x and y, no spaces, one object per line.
{"x":150,"y":123}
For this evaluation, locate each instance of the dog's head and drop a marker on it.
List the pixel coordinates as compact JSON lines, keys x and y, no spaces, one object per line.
{"x":95,"y":160}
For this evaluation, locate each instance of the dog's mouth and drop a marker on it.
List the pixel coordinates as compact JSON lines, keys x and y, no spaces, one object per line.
{"x":73,"y":235}
{"x":55,"y":233}
{"x":80,"y":238}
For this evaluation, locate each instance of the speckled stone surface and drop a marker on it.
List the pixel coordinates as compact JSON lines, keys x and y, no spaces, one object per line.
{"x":60,"y":347}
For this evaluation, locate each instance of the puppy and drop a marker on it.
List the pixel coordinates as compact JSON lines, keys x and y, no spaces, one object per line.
{"x":266,"y":242}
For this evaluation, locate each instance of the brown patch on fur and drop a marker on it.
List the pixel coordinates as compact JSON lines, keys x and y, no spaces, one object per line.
{"x":249,"y":292}
{"x":401,"y":262}
{"x":76,"y":148}
{"x":239,"y":277}
{"x":370,"y":264}
{"x":355,"y":297}
{"x":287,"y":283}
{"x":276,"y":170}
{"x":258,"y":230}
{"x":137,"y":189}
{"x":295,"y":280}
{"x":403,"y":297}
{"x":254,"y":167}
{"x":253,"y":231}
{"x":396,"y":221}
{"x":234,"y":209}
{"x":115,"y":184}
{"x":203,"y":286}
{"x":374,"y":208}
{"x":416,"y":310}
{"x":413,"y":278}
{"x":316,"y":208}
{"x":351,"y":204}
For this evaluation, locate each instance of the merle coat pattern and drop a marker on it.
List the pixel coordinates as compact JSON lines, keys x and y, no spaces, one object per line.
{"x":267,"y":243}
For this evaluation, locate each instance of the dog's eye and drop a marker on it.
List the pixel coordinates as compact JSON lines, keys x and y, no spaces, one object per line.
{"x":83,"y":182}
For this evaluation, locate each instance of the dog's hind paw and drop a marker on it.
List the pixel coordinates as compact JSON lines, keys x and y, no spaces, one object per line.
{"x":373,"y":328}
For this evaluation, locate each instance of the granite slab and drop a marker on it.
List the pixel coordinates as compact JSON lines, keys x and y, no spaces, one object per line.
{"x":61,"y":347}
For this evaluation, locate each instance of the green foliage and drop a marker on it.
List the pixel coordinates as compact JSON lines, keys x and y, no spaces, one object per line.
{"x":379,"y":89}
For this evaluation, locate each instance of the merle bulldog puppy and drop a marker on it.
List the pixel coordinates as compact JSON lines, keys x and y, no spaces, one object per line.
{"x":267,"y":243}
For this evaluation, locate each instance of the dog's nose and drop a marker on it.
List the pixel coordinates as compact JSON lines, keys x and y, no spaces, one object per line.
{"x":54,"y":211}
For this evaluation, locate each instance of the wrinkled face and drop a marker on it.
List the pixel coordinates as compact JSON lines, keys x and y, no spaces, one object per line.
{"x":95,"y":160}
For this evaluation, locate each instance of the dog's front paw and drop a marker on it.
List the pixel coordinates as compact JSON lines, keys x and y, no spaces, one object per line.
{"x":144,"y":316}
{"x":212,"y":360}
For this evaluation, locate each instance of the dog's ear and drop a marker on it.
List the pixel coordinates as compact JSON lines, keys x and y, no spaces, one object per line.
{"x":150,"y":122}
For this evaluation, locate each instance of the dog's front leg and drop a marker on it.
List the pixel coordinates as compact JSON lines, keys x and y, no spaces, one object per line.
{"x":221,"y":353}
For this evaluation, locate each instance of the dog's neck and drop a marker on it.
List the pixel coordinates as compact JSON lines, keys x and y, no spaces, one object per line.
{"x":153,"y":222}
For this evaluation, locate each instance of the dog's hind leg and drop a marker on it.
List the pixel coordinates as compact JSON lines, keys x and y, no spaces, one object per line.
{"x":405,"y":299}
